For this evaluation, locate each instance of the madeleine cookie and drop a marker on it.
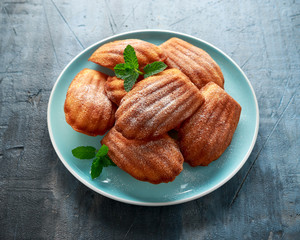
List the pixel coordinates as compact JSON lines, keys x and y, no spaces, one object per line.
{"x":111,"y":54}
{"x":87,"y":108}
{"x":208,"y":132}
{"x":155,"y":161}
{"x":157,"y":104}
{"x":193,"y":62}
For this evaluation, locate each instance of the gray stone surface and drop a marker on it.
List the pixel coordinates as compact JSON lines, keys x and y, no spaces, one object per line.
{"x":40,"y":199}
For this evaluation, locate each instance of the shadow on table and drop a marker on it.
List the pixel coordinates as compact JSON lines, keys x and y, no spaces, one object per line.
{"x":116,"y":220}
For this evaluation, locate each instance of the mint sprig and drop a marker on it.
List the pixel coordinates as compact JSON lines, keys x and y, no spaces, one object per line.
{"x":101,"y":159}
{"x":129,"y":71}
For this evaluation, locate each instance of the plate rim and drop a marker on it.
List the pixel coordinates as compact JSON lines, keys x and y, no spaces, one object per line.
{"x":144,"y":203}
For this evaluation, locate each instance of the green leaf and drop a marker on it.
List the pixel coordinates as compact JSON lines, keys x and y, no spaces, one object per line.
{"x":102,"y":160}
{"x":130,"y":57}
{"x":123,"y":70}
{"x":154,"y":68}
{"x":102,"y":151}
{"x":130,"y":81}
{"x":84,"y":152}
{"x":96,"y":168}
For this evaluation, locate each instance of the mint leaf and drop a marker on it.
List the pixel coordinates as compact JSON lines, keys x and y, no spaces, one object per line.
{"x":130,"y":57}
{"x":102,"y":151}
{"x":130,"y":81}
{"x":154,"y":68}
{"x":84,"y":152}
{"x":96,"y":168}
{"x":101,"y":159}
{"x":123,"y":70}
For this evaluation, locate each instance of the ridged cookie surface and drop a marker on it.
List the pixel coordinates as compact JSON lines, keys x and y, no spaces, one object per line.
{"x":111,"y":54}
{"x":157,"y":104}
{"x":87,"y":108}
{"x":192,"y":61}
{"x":154,"y":161}
{"x":208,"y":132}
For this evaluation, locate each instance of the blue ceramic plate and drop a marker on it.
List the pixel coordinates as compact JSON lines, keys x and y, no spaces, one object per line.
{"x":192,"y":183}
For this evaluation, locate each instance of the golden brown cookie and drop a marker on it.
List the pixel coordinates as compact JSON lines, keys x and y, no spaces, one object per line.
{"x":157,"y":104}
{"x":114,"y":88}
{"x":193,"y":62}
{"x":111,"y":54}
{"x":87,"y":108}
{"x":154,"y":161}
{"x":208,"y":132}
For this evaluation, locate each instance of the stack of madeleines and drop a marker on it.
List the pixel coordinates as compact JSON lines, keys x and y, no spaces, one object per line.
{"x":188,"y":96}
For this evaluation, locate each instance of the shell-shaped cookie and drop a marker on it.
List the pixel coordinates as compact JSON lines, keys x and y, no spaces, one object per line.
{"x":193,"y":62}
{"x":157,"y":104}
{"x":155,"y":161}
{"x":87,"y":108}
{"x":111,"y":54}
{"x":114,"y":88}
{"x":208,"y":132}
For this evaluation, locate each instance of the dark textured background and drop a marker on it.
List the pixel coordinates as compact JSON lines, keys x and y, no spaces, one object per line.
{"x":40,"y":199}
